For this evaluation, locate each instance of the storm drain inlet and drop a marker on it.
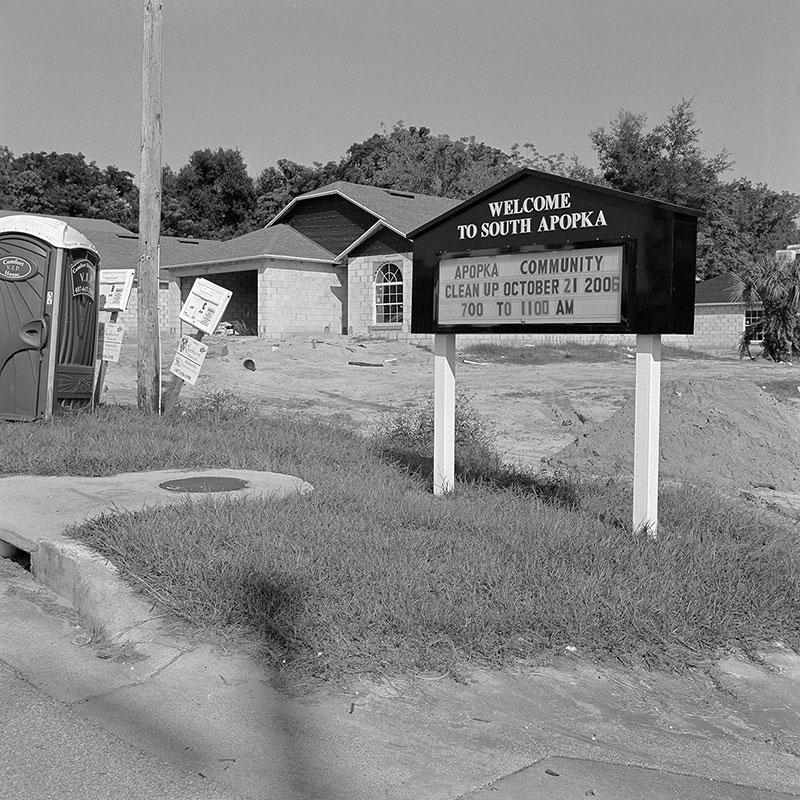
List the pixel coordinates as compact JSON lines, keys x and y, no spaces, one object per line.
{"x":204,"y":484}
{"x":15,"y":554}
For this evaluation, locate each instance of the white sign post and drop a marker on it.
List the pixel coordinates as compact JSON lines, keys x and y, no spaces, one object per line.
{"x":444,"y":412}
{"x":646,"y":433}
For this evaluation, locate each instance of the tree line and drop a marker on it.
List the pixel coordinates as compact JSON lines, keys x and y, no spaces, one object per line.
{"x":214,"y":197}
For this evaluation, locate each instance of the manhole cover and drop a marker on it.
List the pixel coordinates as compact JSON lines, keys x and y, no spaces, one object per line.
{"x":212,"y":483}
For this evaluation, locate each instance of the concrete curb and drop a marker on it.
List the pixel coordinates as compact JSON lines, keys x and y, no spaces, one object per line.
{"x":91,"y":584}
{"x":37,"y":510}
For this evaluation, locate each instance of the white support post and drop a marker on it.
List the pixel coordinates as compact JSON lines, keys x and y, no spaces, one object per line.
{"x":444,"y":412}
{"x":646,"y":433}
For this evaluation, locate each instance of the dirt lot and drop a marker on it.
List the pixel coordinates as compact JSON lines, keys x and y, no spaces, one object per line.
{"x":724,"y":421}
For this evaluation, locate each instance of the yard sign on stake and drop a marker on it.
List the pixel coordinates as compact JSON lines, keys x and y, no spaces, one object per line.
{"x":203,"y":310}
{"x":114,"y":292}
{"x":189,"y":359}
{"x":538,"y":253}
{"x":205,"y":305}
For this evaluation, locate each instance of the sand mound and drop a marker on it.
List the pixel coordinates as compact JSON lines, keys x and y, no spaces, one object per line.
{"x":728,"y":434}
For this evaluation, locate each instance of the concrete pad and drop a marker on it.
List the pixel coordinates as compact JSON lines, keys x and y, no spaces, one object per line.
{"x":224,"y":716}
{"x":43,"y":639}
{"x":35,"y":511}
{"x":42,"y":506}
{"x":769,"y":693}
{"x":571,"y":778}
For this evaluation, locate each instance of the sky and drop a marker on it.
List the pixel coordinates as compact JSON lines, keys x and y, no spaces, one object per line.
{"x":304,"y":80}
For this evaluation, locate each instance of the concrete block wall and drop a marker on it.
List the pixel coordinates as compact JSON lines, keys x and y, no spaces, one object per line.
{"x":299,"y":297}
{"x":717,"y":328}
{"x":361,"y":296}
{"x":130,"y":317}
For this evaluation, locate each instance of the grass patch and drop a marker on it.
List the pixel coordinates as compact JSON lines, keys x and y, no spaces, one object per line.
{"x":371,"y":574}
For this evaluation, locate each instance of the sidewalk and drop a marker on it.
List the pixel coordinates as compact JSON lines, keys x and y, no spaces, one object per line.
{"x":572,"y":730}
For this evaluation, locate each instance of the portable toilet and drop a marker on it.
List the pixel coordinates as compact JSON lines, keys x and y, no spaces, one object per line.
{"x":48,"y":316}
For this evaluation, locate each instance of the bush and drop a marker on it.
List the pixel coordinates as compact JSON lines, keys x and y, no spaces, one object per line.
{"x":217,"y":407}
{"x":406,"y":437}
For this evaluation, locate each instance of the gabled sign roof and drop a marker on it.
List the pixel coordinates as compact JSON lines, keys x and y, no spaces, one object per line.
{"x":550,"y":178}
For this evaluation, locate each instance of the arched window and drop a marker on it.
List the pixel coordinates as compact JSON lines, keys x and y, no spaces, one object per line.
{"x":388,"y":293}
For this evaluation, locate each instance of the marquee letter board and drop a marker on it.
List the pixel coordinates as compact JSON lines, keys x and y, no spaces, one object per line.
{"x":538,"y":253}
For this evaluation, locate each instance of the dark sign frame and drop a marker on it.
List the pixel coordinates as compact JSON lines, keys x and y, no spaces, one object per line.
{"x":659,"y":250}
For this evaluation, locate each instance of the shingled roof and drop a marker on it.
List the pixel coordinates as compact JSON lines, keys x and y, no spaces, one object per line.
{"x":280,"y":241}
{"x":119,"y":248}
{"x":721,"y":289}
{"x":402,"y":211}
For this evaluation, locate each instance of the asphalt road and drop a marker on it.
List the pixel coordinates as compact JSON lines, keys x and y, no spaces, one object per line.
{"x":48,"y":751}
{"x":48,"y":748}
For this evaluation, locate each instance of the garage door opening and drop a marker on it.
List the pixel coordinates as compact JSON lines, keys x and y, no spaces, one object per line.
{"x":241,"y":315}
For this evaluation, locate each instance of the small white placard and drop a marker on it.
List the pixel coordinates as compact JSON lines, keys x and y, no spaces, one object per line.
{"x":189,"y":359}
{"x":115,"y":288}
{"x":205,"y":305}
{"x":112,"y":335}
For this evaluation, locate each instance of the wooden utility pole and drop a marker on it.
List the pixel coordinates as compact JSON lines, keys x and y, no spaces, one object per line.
{"x":149,"y":346}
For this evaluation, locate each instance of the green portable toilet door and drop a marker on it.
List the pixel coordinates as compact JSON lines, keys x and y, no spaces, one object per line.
{"x":27,"y":268}
{"x":77,"y":327}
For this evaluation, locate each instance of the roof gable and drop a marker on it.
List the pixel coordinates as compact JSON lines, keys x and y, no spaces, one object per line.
{"x":329,"y":219}
{"x":401,"y":211}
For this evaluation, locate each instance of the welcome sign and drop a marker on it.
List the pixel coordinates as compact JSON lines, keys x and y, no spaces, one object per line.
{"x":514,"y":217}
{"x":538,"y":253}
{"x":542,"y":253}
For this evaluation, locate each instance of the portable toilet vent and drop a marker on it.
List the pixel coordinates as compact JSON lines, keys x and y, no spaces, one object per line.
{"x":48,"y":316}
